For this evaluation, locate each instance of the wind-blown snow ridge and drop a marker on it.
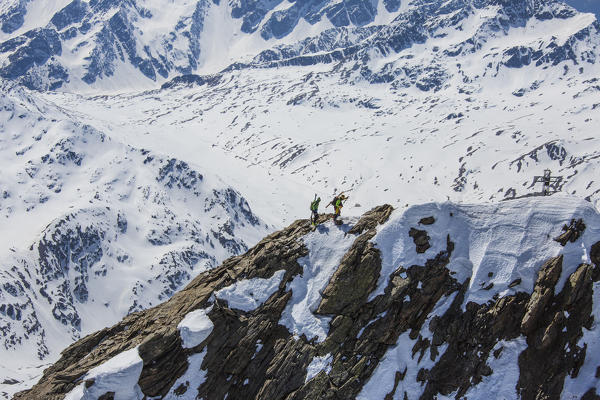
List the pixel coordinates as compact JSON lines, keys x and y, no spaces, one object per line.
{"x":490,"y":249}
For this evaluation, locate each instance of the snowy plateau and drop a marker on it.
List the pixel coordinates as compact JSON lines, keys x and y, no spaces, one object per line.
{"x":144,"y":142}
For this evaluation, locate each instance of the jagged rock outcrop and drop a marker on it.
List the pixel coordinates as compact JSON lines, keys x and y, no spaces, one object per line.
{"x":571,"y":232}
{"x":420,"y":311}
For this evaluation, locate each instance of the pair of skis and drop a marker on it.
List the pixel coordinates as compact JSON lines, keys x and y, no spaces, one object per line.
{"x":337,"y":222}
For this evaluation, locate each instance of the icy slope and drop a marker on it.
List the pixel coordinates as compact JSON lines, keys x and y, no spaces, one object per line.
{"x":94,"y":229}
{"x":441,"y":300}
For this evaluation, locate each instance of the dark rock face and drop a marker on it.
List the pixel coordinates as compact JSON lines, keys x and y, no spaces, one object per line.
{"x":572,"y":232}
{"x":420,"y":238}
{"x":14,"y":18}
{"x":553,"y":328}
{"x":35,"y":49}
{"x":586,"y":6}
{"x":282,"y":22}
{"x":72,"y":13}
{"x":427,"y":221}
{"x":250,"y":355}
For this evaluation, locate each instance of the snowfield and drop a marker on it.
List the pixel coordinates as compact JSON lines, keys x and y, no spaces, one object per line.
{"x":116,"y":191}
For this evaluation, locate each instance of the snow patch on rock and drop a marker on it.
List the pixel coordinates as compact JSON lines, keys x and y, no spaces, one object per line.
{"x":120,"y":375}
{"x":398,"y":359}
{"x":326,"y":247}
{"x":503,"y":382}
{"x":191,"y":380}
{"x":195,"y":327}
{"x":317,"y":365}
{"x":249,"y":294}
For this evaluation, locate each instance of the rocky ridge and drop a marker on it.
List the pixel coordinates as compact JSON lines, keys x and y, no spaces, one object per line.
{"x":248,"y":353}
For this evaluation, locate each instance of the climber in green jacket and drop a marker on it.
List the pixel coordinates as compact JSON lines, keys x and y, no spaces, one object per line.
{"x":314,"y":208}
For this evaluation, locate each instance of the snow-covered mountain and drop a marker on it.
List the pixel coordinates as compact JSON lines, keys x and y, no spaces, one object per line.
{"x":94,"y":229}
{"x":440,"y":301}
{"x":113,"y":44}
{"x":462,"y":100}
{"x":162,"y":138}
{"x":50,"y":45}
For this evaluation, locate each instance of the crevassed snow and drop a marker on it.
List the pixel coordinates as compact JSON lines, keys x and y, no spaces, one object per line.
{"x":509,"y":240}
{"x":249,"y":294}
{"x":575,"y":387}
{"x":326,"y":247}
{"x":195,"y":327}
{"x":317,"y":365}
{"x":120,"y":375}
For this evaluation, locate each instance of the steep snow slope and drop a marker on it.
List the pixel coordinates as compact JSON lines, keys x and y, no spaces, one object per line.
{"x":114,"y":45}
{"x":441,"y":301}
{"x":117,"y":44}
{"x":94,"y":229}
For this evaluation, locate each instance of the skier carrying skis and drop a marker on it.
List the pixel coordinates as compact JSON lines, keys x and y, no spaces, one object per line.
{"x":314,"y":208}
{"x":338,"y":203}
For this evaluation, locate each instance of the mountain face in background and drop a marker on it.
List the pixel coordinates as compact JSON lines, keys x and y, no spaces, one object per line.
{"x":441,"y":301}
{"x":460,"y":100}
{"x":589,"y":6}
{"x":78,"y":44}
{"x":91,"y":40}
{"x":87,"y":41}
{"x":143,"y":144}
{"x":95,"y":229}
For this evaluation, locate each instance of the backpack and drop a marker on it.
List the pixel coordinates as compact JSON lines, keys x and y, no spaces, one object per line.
{"x":314,"y":205}
{"x":335,"y":199}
